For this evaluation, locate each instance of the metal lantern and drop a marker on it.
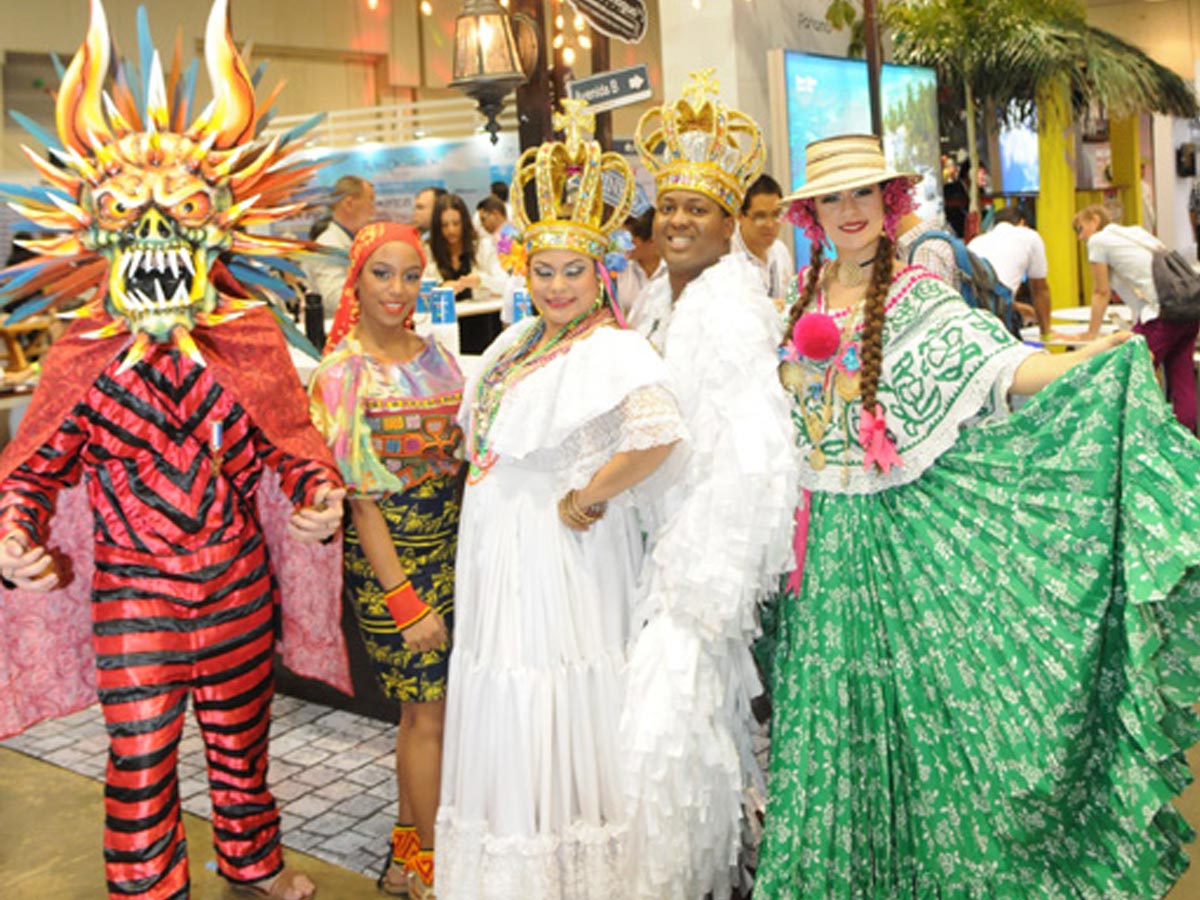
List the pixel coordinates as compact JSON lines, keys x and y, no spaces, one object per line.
{"x":487,"y":64}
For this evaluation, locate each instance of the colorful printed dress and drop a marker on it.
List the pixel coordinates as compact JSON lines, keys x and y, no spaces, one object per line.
{"x":531,"y":803}
{"x":982,"y":685}
{"x":394,"y":432}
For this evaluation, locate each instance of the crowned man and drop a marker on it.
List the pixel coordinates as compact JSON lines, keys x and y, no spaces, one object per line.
{"x":720,"y":535}
{"x":173,"y":399}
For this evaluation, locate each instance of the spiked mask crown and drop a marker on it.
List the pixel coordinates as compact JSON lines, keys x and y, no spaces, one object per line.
{"x":149,"y":204}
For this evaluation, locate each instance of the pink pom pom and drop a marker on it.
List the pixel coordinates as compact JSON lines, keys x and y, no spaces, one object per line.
{"x":816,"y":336}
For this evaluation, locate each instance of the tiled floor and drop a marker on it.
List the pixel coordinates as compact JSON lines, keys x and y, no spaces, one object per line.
{"x":331,"y":771}
{"x":333,"y":777}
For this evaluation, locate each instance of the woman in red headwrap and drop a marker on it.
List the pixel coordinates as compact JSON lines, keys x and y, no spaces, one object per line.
{"x":387,"y":401}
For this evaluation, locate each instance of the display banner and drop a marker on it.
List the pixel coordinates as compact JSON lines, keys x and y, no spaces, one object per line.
{"x":400,"y":172}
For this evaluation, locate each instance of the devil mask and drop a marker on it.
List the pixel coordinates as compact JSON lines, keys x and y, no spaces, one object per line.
{"x":149,"y":200}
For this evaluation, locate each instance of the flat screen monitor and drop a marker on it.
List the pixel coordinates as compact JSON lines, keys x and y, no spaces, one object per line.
{"x":1019,"y":156}
{"x":827,"y":96}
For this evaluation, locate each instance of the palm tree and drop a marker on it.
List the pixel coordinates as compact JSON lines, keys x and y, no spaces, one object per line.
{"x":1004,"y":52}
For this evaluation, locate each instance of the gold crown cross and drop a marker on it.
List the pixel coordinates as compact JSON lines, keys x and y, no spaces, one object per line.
{"x":700,"y":87}
{"x":574,"y":122}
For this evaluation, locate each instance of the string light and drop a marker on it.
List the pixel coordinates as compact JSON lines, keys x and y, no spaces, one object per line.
{"x":569,"y":43}
{"x":426,"y":8}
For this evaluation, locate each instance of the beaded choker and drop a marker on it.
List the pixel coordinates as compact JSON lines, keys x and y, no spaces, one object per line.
{"x":517,"y":362}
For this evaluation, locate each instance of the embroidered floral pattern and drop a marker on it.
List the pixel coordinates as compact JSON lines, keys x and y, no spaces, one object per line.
{"x":983,"y":686}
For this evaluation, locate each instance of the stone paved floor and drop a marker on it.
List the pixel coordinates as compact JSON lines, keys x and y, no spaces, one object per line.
{"x":332,"y":774}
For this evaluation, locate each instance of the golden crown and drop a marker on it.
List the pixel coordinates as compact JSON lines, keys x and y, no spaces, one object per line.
{"x":699,"y":144}
{"x":570,"y":176}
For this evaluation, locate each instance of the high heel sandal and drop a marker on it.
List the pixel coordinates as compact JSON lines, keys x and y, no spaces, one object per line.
{"x":405,"y":844}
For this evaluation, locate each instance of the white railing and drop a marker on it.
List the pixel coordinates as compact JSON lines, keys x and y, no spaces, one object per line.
{"x":399,"y":123}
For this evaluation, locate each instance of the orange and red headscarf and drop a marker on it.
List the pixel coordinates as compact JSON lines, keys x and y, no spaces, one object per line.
{"x":369,"y":239}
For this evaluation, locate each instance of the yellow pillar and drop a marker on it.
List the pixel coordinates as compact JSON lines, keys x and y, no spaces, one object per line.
{"x":1126,"y":167}
{"x":1056,"y":194}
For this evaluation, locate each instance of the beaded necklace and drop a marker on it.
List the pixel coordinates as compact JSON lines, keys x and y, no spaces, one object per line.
{"x":513,"y":365}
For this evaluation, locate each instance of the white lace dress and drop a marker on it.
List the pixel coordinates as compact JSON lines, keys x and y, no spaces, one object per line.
{"x":531,"y":803}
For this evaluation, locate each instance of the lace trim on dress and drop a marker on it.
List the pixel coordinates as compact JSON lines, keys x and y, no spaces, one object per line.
{"x":647,"y":417}
{"x":580,"y":862}
{"x":543,"y":410}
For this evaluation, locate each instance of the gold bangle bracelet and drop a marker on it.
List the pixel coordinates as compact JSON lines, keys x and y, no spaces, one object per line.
{"x":579,"y":515}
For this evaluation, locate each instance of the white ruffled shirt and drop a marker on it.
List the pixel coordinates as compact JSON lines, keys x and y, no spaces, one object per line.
{"x":721,"y":536}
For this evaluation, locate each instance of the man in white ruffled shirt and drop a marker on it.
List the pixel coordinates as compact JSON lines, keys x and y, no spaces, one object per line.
{"x":720,"y":534}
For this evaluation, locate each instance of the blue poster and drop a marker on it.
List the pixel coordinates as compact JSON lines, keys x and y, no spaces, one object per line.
{"x":827,"y":96}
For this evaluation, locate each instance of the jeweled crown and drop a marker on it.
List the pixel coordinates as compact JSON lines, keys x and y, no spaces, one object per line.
{"x":570,"y":178}
{"x":699,"y":144}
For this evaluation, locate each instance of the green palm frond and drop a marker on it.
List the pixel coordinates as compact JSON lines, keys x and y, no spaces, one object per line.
{"x":1006,"y":49}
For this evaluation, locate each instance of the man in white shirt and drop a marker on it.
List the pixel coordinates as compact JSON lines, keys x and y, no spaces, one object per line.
{"x":760,"y":220}
{"x":722,"y":532}
{"x":1017,"y":253}
{"x":353,"y":206}
{"x":492,"y":215}
{"x":645,"y":261}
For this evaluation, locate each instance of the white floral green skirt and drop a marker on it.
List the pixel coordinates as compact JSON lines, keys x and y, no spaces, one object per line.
{"x":983,"y":689}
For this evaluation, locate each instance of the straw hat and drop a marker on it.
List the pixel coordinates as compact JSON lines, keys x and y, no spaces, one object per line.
{"x":842,"y":163}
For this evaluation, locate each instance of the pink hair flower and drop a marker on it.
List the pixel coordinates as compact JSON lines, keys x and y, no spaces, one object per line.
{"x":816,"y":336}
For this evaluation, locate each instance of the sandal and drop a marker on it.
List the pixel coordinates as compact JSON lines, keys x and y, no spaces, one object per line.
{"x":285,"y":881}
{"x":393,"y":880}
{"x":419,"y":872}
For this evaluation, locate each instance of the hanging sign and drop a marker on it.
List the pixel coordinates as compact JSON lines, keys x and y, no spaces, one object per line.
{"x":624,"y":20}
{"x":608,"y":90}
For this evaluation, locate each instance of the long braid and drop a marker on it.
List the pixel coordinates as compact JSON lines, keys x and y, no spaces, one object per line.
{"x":872,"y":334}
{"x":808,"y":291}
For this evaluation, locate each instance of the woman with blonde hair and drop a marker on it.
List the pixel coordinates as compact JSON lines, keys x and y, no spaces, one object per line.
{"x":1121,"y":256}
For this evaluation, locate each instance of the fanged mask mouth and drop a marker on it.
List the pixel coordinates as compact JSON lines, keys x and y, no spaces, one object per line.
{"x":157,"y":279}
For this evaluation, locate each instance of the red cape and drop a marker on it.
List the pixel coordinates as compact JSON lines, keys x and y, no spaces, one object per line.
{"x":46,"y":660}
{"x":247,"y":356}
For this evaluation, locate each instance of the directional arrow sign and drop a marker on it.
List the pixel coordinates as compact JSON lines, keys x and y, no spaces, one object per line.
{"x":621,"y":19}
{"x":608,"y":90}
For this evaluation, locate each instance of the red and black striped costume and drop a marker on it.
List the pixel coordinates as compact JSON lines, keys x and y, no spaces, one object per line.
{"x":183,"y":603}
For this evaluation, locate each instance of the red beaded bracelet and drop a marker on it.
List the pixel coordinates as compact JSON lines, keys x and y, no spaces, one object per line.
{"x":404,"y":605}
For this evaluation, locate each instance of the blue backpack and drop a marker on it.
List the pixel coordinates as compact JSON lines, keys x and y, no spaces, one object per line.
{"x":978,"y":283}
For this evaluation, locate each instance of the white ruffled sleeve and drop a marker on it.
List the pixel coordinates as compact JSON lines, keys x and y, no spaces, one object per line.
{"x":577,"y":390}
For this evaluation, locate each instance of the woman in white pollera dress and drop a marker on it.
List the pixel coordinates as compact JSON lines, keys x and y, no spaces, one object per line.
{"x":569,"y":412}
